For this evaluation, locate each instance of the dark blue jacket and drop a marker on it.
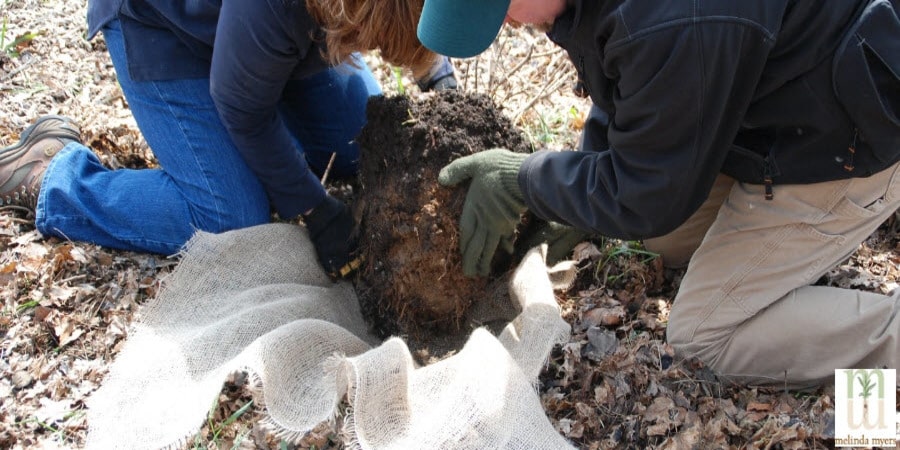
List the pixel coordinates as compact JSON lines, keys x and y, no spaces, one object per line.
{"x":248,"y":49}
{"x":773,"y":91}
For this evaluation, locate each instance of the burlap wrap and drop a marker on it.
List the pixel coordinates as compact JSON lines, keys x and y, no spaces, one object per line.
{"x":257,"y":300}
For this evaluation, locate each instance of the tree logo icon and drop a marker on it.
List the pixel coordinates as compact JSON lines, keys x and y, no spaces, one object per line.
{"x":865,"y":407}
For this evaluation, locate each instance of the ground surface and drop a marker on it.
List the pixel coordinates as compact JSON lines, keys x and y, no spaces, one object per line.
{"x":66,"y":306}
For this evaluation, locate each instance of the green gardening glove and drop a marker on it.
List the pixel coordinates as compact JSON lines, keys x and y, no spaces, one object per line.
{"x":493,"y":205}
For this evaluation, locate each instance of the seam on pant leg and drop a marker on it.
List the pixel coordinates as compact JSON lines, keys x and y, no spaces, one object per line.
{"x":735,"y":280}
{"x":181,"y":129}
{"x":41,"y":215}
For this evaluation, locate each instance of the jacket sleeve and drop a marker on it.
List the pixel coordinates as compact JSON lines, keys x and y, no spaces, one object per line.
{"x":257,"y":47}
{"x":679,"y":94}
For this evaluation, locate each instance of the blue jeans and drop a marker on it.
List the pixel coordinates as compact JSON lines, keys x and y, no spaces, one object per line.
{"x":202,"y":182}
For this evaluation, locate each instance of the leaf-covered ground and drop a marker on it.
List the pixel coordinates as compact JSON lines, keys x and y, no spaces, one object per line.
{"x":67,"y":306}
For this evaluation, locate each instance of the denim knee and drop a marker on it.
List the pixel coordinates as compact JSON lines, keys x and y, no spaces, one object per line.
{"x":238,"y":215}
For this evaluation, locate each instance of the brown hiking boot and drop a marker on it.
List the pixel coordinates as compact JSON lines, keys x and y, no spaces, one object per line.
{"x":22,"y":165}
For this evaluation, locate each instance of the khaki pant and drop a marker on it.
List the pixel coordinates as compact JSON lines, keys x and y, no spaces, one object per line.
{"x":745,"y":306}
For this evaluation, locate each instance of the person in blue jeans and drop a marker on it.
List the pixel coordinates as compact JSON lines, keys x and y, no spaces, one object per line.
{"x":244,"y":104}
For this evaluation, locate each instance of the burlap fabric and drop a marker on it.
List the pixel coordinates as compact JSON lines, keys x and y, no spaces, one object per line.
{"x":256,"y":300}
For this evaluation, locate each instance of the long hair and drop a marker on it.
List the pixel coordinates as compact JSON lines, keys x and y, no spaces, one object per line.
{"x":361,"y":25}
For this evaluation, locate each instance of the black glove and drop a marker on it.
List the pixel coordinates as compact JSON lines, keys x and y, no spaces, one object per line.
{"x":445,"y":83}
{"x":439,"y":78}
{"x":560,"y":240}
{"x":331,"y":228}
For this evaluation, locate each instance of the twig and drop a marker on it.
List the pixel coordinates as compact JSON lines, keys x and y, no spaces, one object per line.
{"x":15,"y":71}
{"x":328,"y":167}
{"x":528,"y":56}
{"x":545,"y":87}
{"x":72,"y":278}
{"x":547,"y":53}
{"x":493,"y":62}
{"x":23,"y":209}
{"x":548,"y":89}
{"x":477,"y":75}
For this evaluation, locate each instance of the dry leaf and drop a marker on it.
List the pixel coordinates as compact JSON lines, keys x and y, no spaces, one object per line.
{"x":685,"y":439}
{"x":608,"y":317}
{"x":66,"y":330}
{"x":756,"y":406}
{"x":116,"y":330}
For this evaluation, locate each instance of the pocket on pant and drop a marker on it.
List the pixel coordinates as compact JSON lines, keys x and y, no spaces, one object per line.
{"x":887,"y":195}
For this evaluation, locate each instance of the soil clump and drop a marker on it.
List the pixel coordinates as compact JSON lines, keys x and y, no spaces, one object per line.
{"x":412,"y":281}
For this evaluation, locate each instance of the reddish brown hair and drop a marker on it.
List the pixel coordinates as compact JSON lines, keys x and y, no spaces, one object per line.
{"x":361,"y":25}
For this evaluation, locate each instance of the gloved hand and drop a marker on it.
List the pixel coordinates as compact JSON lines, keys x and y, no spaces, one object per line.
{"x":439,"y":78}
{"x":560,"y":239}
{"x":493,"y":205}
{"x":331,"y":228}
{"x":445,"y":83}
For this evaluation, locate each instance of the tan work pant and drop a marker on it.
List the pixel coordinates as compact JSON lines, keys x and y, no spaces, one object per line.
{"x":745,"y":306}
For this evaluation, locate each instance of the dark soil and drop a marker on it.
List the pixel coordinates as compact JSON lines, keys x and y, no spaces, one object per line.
{"x":412,"y":279}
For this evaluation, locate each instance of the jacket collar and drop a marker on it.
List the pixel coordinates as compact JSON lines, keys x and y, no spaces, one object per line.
{"x":565,"y":24}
